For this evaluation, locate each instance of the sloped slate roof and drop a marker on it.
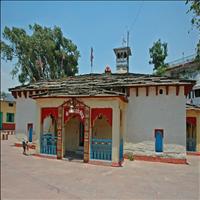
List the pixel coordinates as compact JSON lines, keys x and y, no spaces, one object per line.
{"x":192,"y":107}
{"x":98,"y":84}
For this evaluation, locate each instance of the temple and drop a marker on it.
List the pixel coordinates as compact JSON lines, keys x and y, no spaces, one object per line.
{"x":105,"y":117}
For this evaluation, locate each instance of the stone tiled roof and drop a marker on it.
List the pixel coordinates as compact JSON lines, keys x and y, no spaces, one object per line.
{"x":98,"y":84}
{"x":192,"y":107}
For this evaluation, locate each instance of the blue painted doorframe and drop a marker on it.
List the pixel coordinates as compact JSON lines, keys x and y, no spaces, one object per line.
{"x":30,"y":134}
{"x":158,"y":140}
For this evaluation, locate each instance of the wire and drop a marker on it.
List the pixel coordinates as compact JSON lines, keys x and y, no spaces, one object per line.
{"x":136,"y":17}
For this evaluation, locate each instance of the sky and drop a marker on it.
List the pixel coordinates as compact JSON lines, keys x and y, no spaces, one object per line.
{"x":102,"y":25}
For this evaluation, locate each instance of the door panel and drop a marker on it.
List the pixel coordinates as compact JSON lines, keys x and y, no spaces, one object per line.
{"x":159,"y":141}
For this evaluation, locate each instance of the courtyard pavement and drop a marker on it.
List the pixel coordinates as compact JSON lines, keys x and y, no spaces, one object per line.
{"x":30,"y":177}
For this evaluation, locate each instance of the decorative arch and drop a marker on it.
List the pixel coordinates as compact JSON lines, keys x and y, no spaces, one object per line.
{"x":45,"y":112}
{"x":70,"y":108}
{"x":107,"y":112}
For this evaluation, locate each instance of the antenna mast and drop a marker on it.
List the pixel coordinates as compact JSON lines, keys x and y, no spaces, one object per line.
{"x":128,"y":56}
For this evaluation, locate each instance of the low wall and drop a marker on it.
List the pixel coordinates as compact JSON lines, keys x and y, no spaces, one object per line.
{"x":147,"y":148}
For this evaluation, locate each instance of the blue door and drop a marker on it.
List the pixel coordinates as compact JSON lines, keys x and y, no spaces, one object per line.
{"x":30,"y":134}
{"x":1,"y":120}
{"x":159,"y":140}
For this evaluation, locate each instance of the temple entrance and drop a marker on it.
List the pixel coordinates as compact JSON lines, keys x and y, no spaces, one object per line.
{"x":191,"y":134}
{"x":73,"y":138}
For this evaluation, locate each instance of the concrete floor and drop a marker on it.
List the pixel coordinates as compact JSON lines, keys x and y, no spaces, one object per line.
{"x":30,"y":177}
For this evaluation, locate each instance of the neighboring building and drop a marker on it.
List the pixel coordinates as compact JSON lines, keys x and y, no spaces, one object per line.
{"x":189,"y":68}
{"x":193,"y":128}
{"x":7,"y":113}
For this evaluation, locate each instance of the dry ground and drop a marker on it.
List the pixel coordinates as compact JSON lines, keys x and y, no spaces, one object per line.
{"x":29,"y":177}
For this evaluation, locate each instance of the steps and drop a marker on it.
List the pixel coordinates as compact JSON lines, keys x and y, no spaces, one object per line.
{"x":80,"y":150}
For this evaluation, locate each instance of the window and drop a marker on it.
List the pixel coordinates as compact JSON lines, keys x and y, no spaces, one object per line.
{"x":197,"y":93}
{"x":10,"y":104}
{"x":10,"y":117}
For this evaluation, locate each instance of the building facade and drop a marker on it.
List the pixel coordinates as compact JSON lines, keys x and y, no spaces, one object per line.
{"x":102,"y":117}
{"x":7,"y":114}
{"x":189,"y":68}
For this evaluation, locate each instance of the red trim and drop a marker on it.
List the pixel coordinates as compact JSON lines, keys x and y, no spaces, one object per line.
{"x":88,"y":97}
{"x":30,"y":93}
{"x":14,"y":93}
{"x":128,"y":92}
{"x":187,"y":89}
{"x":107,"y":112}
{"x":8,"y":126}
{"x":25,"y":94}
{"x":45,"y":156}
{"x":98,"y":162}
{"x":31,"y":146}
{"x":147,"y":91}
{"x":156,"y":90}
{"x":45,"y":112}
{"x":191,"y":120}
{"x":153,"y":85}
{"x":158,"y":159}
{"x":19,"y":93}
{"x":193,"y":153}
{"x":177,"y":90}
{"x":137,"y":92}
{"x":167,"y":89}
{"x":161,"y":130}
{"x":116,"y":164}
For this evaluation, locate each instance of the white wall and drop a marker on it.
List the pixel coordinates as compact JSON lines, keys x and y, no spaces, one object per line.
{"x":25,"y":113}
{"x":147,"y":113}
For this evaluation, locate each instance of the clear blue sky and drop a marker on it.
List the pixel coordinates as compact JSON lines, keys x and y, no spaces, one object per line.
{"x":102,"y":25}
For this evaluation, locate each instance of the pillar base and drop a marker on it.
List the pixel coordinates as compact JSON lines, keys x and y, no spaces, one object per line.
{"x":116,"y":164}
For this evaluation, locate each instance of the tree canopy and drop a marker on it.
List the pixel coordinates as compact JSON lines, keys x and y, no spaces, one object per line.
{"x":195,"y":21}
{"x":158,"y":53}
{"x":43,"y":54}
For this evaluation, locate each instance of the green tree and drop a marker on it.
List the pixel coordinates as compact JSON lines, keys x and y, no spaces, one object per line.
{"x":158,"y":53}
{"x":43,"y":54}
{"x":195,"y":21}
{"x":3,"y":95}
{"x":195,"y":9}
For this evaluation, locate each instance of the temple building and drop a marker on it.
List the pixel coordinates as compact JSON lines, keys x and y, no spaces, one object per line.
{"x":104,"y":117}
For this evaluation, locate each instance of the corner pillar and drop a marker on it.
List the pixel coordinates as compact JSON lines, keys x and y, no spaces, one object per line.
{"x":116,"y":136}
{"x":38,"y":129}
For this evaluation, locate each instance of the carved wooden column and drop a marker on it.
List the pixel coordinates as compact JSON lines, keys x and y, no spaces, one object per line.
{"x":59,"y":132}
{"x":86,"y":134}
